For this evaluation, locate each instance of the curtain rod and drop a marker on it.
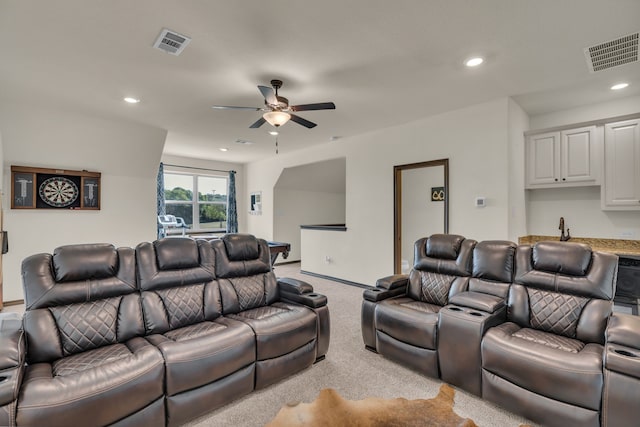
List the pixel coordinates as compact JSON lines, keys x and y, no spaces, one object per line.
{"x":193,"y":167}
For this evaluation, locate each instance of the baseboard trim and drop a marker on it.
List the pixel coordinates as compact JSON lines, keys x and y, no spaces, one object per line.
{"x":14,"y":302}
{"x":335,"y":279}
{"x":285,"y":263}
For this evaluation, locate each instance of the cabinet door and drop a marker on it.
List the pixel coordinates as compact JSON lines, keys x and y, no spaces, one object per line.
{"x":543,"y":159}
{"x":578,"y":155}
{"x":622,"y":165}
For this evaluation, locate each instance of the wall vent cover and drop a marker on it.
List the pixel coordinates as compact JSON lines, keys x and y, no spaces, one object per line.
{"x":612,"y":53}
{"x":243,"y":141}
{"x":171,"y":42}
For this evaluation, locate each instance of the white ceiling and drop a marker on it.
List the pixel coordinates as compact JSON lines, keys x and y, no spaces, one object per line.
{"x":383,"y":63}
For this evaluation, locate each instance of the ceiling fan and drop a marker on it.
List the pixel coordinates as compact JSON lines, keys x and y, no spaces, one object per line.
{"x":277,"y":109}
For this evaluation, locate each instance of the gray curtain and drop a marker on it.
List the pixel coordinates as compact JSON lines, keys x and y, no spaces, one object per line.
{"x":162,"y":210}
{"x":232,"y":212}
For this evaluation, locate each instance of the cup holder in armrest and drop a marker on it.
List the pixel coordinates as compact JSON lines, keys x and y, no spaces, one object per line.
{"x":312,"y":295}
{"x":625,"y":353}
{"x":376,"y":290}
{"x":3,"y":379}
{"x":476,"y":313}
{"x":454,"y":308}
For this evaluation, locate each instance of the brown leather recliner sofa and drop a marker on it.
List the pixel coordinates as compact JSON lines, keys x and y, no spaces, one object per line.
{"x":530,"y":328}
{"x":155,"y":336}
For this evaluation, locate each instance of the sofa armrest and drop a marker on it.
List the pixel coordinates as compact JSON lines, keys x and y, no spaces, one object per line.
{"x":478,"y":301}
{"x":300,"y":292}
{"x":624,"y":329}
{"x":622,"y":347}
{"x":12,"y":357}
{"x":387,"y":287}
{"x":393,"y":282}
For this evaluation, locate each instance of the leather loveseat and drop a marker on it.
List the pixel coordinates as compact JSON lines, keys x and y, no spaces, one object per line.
{"x":530,"y":328}
{"x":155,"y":336}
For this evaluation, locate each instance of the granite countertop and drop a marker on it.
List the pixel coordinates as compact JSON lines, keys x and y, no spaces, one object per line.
{"x":614,"y":246}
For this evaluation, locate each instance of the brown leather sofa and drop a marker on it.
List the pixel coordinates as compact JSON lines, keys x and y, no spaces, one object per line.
{"x":156,"y":336}
{"x":532,"y":329}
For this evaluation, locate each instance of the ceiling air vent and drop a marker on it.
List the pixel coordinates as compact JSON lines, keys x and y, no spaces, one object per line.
{"x":612,"y":53}
{"x":171,"y":42}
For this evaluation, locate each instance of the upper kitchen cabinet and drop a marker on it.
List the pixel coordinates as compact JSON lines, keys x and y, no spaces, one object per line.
{"x":567,"y":158}
{"x":621,"y":189}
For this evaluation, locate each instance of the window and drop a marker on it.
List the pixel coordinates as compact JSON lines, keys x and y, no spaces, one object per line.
{"x":200,"y":200}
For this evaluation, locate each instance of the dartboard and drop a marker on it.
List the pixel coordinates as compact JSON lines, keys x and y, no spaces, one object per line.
{"x":58,"y":191}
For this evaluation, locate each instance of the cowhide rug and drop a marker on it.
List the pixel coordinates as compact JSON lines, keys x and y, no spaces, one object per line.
{"x":330,"y":409}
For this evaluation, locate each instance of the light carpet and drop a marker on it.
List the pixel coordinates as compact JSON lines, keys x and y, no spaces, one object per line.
{"x":351,"y":370}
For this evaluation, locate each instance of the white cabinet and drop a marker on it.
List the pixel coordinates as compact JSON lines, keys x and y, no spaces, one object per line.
{"x":621,"y":190}
{"x":567,"y":158}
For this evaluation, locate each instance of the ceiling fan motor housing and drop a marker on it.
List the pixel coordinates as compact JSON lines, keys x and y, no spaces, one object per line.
{"x":282,"y":102}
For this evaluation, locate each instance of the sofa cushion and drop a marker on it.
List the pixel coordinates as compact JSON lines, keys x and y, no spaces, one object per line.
{"x":280,"y":328}
{"x":572,"y":259}
{"x":549,"y":365}
{"x":409,"y":321}
{"x":176,"y":253}
{"x":204,"y":352}
{"x":97,"y":387}
{"x":445,"y":246}
{"x":82,"y":262}
{"x":241,"y":247}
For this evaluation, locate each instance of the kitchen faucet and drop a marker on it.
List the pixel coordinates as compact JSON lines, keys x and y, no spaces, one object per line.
{"x":563,"y":237}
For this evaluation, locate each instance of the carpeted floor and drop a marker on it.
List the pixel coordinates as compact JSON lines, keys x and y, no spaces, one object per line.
{"x":350,"y":369}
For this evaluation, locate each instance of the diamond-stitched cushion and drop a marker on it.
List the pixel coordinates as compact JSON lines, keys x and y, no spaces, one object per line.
{"x":435,"y":287}
{"x":250,"y":291}
{"x":260,"y":313}
{"x":555,"y":312}
{"x":87,"y":325}
{"x":89,"y":359}
{"x":194,"y":331}
{"x":549,"y":340}
{"x":184,"y":305}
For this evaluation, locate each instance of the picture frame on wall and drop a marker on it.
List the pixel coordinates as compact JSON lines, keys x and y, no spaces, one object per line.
{"x":43,"y":188}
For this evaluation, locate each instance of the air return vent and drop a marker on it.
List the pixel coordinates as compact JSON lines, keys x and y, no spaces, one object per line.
{"x":171,"y":42}
{"x":612,"y":53}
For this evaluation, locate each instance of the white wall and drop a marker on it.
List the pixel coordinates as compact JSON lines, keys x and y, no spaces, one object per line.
{"x":475,"y":140}
{"x":302,"y":207}
{"x":126,"y":154}
{"x":580,"y":206}
{"x":518,"y":124}
{"x":619,"y":107}
{"x":242,"y":202}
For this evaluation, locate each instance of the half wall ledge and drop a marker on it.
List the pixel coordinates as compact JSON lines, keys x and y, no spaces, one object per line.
{"x":327,"y":227}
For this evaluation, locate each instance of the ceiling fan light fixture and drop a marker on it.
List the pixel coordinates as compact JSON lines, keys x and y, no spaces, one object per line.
{"x":276,"y":118}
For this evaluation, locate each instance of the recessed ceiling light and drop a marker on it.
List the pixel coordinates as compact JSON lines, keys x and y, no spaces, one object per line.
{"x":474,"y":62}
{"x":131,"y":100}
{"x":273,"y":132}
{"x":224,"y":149}
{"x":619,"y":86}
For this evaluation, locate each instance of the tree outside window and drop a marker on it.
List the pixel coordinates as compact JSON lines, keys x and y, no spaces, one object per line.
{"x":207,"y":211}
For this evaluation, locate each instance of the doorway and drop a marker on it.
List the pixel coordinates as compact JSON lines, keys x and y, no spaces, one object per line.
{"x":421,"y":192}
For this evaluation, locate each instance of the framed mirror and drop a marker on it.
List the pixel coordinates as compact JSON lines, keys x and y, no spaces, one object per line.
{"x":421,"y":206}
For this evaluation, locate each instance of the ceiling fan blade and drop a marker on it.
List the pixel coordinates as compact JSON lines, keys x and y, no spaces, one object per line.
{"x":230,"y":107}
{"x":304,"y":122}
{"x":317,"y":106}
{"x":258,"y":123}
{"x":269,"y":94}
